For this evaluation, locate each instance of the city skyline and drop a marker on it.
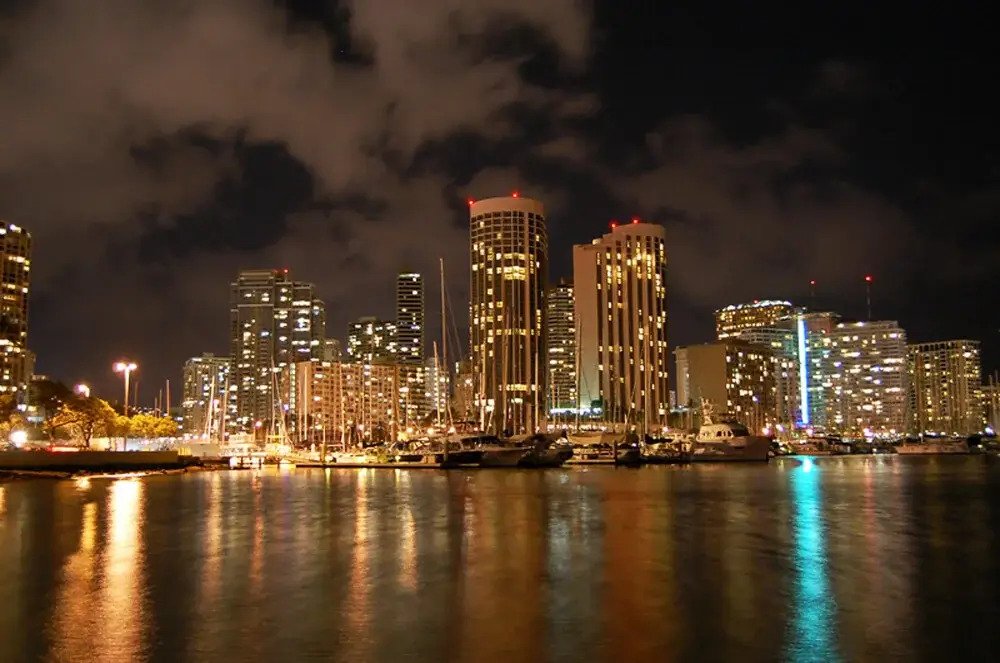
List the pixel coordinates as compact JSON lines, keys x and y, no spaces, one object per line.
{"x":769,"y":310}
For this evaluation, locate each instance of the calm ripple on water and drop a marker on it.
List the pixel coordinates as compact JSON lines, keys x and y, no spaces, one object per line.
{"x":843,"y":559}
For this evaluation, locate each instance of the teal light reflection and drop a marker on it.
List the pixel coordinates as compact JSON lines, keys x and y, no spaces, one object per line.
{"x":813,"y":623}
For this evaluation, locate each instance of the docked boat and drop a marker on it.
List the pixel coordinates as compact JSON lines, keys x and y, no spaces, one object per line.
{"x":628,"y":451}
{"x":665,"y":452}
{"x":545,"y":451}
{"x":462,"y":449}
{"x":403,"y":452}
{"x":933,"y":446}
{"x":590,"y":446}
{"x":501,"y":456}
{"x":723,"y":439}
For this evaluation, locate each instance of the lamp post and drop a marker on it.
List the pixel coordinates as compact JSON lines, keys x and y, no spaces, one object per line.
{"x":126,"y":368}
{"x":83,"y":390}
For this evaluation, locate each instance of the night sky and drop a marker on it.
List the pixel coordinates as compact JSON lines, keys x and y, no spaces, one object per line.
{"x":155,"y":148}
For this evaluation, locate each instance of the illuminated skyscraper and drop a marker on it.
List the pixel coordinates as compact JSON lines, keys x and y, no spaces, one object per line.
{"x":275,"y":322}
{"x":737,"y":377}
{"x":736,"y":318}
{"x":409,"y":318}
{"x":204,"y":397}
{"x":15,"y":280}
{"x":858,"y":378}
{"x":409,"y":347}
{"x":559,"y":322}
{"x":945,"y":387}
{"x":509,"y":256}
{"x":621,"y":320}
{"x":370,"y":340}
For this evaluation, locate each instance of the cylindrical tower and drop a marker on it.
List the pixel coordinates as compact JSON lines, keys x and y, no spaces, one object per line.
{"x":509,"y":251}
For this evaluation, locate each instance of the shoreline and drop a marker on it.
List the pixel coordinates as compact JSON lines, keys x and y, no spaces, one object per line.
{"x":11,"y":475}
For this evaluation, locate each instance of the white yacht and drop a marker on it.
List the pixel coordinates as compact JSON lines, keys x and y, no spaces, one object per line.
{"x":723,"y":439}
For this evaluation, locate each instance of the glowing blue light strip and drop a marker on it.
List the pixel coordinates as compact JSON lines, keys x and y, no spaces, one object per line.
{"x":803,"y":372}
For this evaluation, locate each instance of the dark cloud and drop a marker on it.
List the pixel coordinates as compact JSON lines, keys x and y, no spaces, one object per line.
{"x":156,"y":148}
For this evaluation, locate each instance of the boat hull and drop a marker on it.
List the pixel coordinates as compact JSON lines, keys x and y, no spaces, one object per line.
{"x":746,"y":450}
{"x":552,"y":457}
{"x":504,"y":457}
{"x":928,"y":448}
{"x":666,"y":458}
{"x":459,"y":457}
{"x":628,"y":456}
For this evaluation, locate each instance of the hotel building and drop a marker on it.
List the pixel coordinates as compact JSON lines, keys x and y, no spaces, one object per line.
{"x":945,"y":387}
{"x":858,"y":378}
{"x":736,"y":318}
{"x":559,"y":321}
{"x":409,"y":346}
{"x":621,"y":319}
{"x":15,"y":280}
{"x":274,"y":322}
{"x":509,"y":258}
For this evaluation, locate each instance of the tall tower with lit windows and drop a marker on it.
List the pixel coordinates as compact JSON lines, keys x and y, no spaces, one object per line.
{"x":275,"y":322}
{"x":15,"y":260}
{"x":621,"y":321}
{"x":509,"y":251}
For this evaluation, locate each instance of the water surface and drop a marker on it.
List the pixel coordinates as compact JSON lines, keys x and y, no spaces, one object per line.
{"x":839,"y":559}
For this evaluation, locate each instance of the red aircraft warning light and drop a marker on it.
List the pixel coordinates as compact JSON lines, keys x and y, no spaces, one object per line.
{"x":515,"y":194}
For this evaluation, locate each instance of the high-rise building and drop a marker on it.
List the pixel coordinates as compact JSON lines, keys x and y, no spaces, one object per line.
{"x":370,"y":340}
{"x":559,"y":321}
{"x":15,"y":280}
{"x":409,"y":318}
{"x":736,"y":377}
{"x":206,"y":379}
{"x":782,"y":342}
{"x":621,"y":319}
{"x":857,"y":378}
{"x":945,"y":387}
{"x":275,"y":322}
{"x":736,"y":318}
{"x":509,"y":257}
{"x":350,"y":403}
{"x":409,"y":349}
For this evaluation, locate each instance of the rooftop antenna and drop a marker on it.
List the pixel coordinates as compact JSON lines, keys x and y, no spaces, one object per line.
{"x":868,"y":294}
{"x":812,"y":294}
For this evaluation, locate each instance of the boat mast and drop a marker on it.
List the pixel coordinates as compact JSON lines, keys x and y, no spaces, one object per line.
{"x":437,"y":385}
{"x":225,"y":410}
{"x":577,"y":330}
{"x":444,"y":347}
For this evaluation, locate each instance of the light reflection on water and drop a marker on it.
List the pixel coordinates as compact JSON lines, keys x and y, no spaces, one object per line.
{"x":847,"y":559}
{"x":811,"y":638}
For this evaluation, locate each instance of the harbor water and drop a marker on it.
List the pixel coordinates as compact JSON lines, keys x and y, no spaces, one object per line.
{"x":835,"y":558}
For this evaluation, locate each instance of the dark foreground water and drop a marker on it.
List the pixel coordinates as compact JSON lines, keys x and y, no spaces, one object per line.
{"x":839,"y":559}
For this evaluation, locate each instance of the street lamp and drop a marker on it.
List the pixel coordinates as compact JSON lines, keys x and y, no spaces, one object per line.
{"x":126,"y":368}
{"x":83,"y":390}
